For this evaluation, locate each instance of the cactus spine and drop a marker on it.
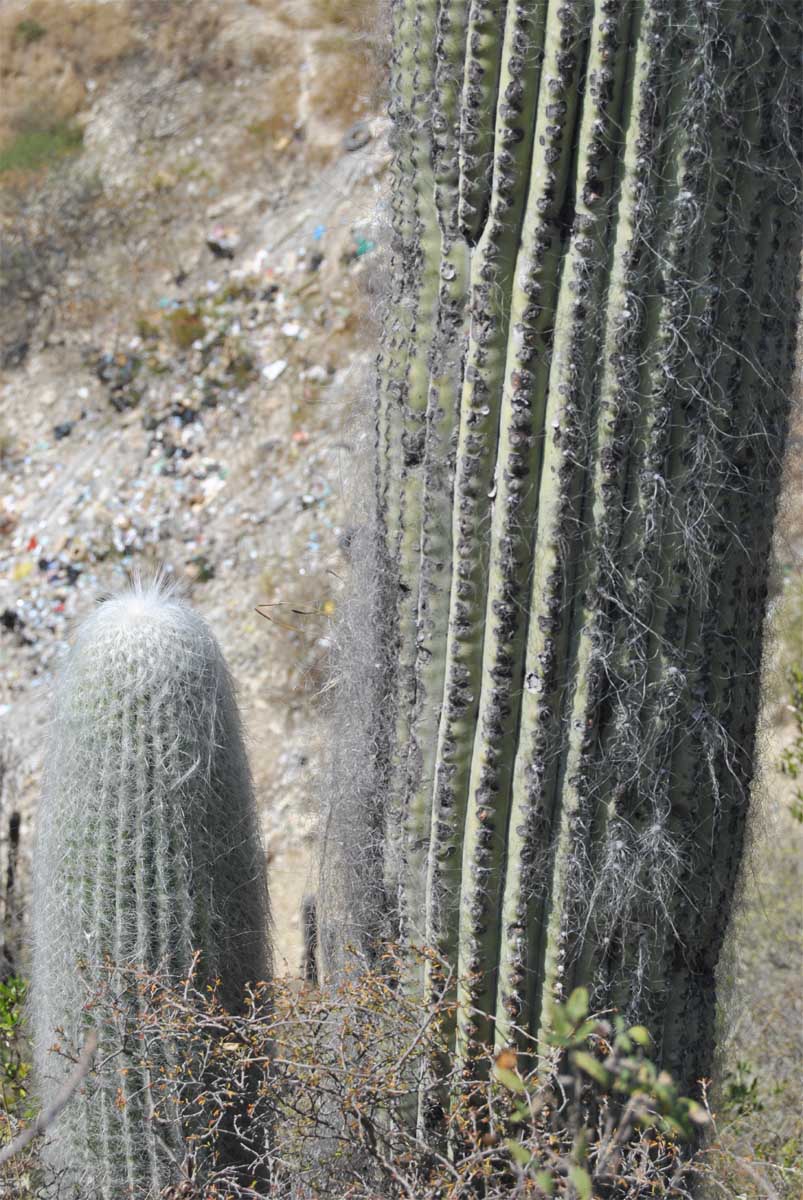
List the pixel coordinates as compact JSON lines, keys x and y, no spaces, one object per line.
{"x":148,"y":851}
{"x":579,"y":432}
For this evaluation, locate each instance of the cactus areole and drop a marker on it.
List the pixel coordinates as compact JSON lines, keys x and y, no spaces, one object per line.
{"x":149,"y":858}
{"x":582,"y":400}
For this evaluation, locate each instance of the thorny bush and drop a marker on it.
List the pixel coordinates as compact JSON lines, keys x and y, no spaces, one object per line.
{"x":314,"y":1088}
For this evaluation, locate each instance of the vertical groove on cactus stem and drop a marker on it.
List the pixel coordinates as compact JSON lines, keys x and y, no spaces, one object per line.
{"x":434,"y":587}
{"x":632,"y":973}
{"x":395,"y":351}
{"x":559,"y":385}
{"x":395,"y":348}
{"x":450,"y":57}
{"x":595,"y":903}
{"x":414,"y":427}
{"x":529,"y":821}
{"x":490,"y":287}
{"x":478,"y":111}
{"x":444,"y":369}
{"x":682,"y":770}
{"x":550,"y":281}
{"x":729,"y":627}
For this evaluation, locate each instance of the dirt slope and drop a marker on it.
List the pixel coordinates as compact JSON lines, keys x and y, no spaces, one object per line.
{"x":179,"y":393}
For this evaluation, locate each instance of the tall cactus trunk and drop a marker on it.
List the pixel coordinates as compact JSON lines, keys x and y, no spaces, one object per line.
{"x":581,"y":408}
{"x":148,"y":853}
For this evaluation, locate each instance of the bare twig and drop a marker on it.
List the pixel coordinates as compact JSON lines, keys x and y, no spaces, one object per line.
{"x":49,"y":1114}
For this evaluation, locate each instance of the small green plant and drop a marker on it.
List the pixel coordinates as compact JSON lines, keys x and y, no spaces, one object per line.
{"x":792,"y":756}
{"x":615,"y":1094}
{"x":147,"y":329}
{"x":36,"y":145}
{"x":186,"y":326}
{"x":741,"y":1095}
{"x":14,"y":1067}
{"x":28,"y":31}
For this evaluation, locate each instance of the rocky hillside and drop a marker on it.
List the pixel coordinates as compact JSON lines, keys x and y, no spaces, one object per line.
{"x":183,"y":283}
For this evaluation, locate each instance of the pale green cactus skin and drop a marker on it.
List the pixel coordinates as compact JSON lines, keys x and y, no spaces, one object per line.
{"x":582,"y":405}
{"x":148,"y":851}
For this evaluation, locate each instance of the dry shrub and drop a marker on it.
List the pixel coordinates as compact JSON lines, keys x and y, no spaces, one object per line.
{"x":343,"y":80}
{"x":277,"y":116}
{"x":359,"y":16}
{"x":186,"y":326}
{"x":43,"y":229}
{"x":211,"y":41}
{"x":49,"y":48}
{"x":317,"y":1089}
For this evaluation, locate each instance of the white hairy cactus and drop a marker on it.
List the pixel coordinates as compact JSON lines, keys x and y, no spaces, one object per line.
{"x":148,"y":852}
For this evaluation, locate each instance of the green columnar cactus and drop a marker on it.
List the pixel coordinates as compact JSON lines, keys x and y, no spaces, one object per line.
{"x":582,"y":404}
{"x":148,"y":851}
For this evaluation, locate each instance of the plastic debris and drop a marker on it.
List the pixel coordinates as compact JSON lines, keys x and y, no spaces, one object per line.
{"x":358,"y":136}
{"x":292,"y":329}
{"x":223,"y":241}
{"x":273,"y":370}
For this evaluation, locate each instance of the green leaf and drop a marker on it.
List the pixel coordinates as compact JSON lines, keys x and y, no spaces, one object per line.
{"x":581,"y":1180}
{"x":518,"y":1152}
{"x":561,"y":1026}
{"x":546,"y":1183}
{"x":698,"y":1114}
{"x":509,"y":1079}
{"x":564,"y":1034}
{"x":672,"y":1128}
{"x":640,"y":1035}
{"x":577,"y":1005}
{"x":592,"y":1066}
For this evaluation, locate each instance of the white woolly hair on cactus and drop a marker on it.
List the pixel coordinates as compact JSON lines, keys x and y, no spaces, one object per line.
{"x":148,"y":851}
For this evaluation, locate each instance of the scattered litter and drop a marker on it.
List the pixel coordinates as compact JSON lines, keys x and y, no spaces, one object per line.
{"x":223,"y":241}
{"x":292,"y":329}
{"x":200,"y":569}
{"x":92,"y":498}
{"x":358,"y":136}
{"x":316,"y":373}
{"x":273,"y":370}
{"x":8,"y":519}
{"x":359,"y":247}
{"x":119,"y":372}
